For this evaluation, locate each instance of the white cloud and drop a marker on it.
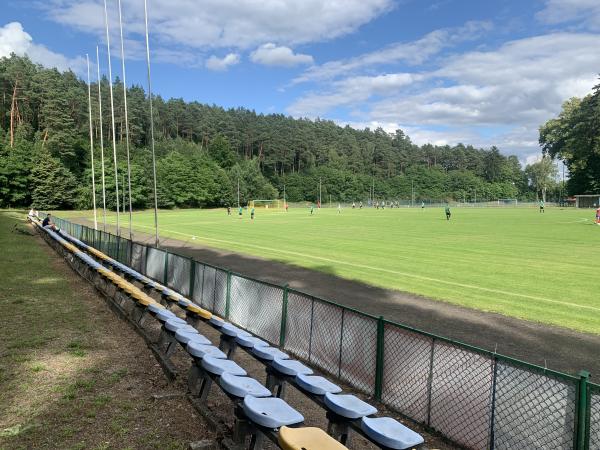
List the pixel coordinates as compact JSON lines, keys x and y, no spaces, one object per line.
{"x":586,"y":12}
{"x":238,"y":24}
{"x":413,"y":53}
{"x":272,"y":55}
{"x":496,"y":97}
{"x":351,"y":91}
{"x":216,"y":63}
{"x":14,"y":39}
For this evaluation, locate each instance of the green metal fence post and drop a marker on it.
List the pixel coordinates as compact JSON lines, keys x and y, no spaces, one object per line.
{"x":192,"y":278}
{"x":379,"y":359}
{"x":166,"y":270}
{"x":582,"y":412}
{"x":284,"y":307}
{"x":228,"y":294}
{"x":430,"y":381}
{"x":492,"y":443}
{"x":339,"y":374}
{"x":146,"y":262}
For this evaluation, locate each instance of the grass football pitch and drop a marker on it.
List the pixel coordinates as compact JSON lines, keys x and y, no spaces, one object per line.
{"x":514,"y":261}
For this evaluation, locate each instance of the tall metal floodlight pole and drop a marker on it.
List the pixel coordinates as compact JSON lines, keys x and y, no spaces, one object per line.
{"x":320,"y":203}
{"x":151,"y":124}
{"x":89,"y":86}
{"x":412,"y":193}
{"x":126,"y":122}
{"x":238,"y":191}
{"x":373,"y":196}
{"x":123,"y":191}
{"x":112,"y":115}
{"x":284,"y":201}
{"x":101,"y":142}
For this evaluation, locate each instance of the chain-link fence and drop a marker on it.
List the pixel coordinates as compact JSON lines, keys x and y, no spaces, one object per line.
{"x":594,"y":417}
{"x":533,"y":409}
{"x":476,"y":398}
{"x":257,"y":307}
{"x":178,"y":273}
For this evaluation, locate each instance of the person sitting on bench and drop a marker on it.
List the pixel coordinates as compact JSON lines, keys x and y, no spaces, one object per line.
{"x":47,"y":222}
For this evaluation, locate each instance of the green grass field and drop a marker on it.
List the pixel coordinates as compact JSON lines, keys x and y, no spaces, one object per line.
{"x":514,"y":261}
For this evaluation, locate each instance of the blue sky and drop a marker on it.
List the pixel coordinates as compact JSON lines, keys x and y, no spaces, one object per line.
{"x":445,"y":71}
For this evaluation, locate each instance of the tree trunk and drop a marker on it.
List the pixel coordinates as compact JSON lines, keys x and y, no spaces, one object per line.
{"x":12,"y":114}
{"x":45,"y":138}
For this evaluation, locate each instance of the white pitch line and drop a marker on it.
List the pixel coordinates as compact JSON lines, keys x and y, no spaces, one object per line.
{"x":575,"y":221}
{"x":380,"y":269}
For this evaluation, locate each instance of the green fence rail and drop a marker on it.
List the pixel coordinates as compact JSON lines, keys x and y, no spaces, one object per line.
{"x":476,"y":398}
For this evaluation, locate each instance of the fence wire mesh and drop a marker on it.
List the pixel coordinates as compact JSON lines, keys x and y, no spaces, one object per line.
{"x":594,"y":417}
{"x":532,"y":410}
{"x":124,"y":246}
{"x":358,"y":355}
{"x":208,"y":288}
{"x":155,"y":264}
{"x":326,"y":337}
{"x":197,"y":296}
{"x":257,"y":307}
{"x":460,"y":394}
{"x":178,"y":276}
{"x":298,"y":331}
{"x":138,"y":254}
{"x":407,"y":360}
{"x":220,"y":292}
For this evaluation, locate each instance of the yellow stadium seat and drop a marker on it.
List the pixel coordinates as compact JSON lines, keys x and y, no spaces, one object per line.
{"x":200,"y":311}
{"x":130,"y":289}
{"x":173,"y":297}
{"x":308,"y":438}
{"x":140,"y":297}
{"x":70,"y":247}
{"x":145,"y":301}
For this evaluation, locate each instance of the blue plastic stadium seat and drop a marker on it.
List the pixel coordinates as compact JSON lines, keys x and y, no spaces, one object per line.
{"x":164,"y":315}
{"x":269,"y":353}
{"x":290,"y":367}
{"x":217,"y":321}
{"x":242,"y":386}
{"x":390,"y":433}
{"x":250,"y":342}
{"x":200,"y":350}
{"x":184,"y":335}
{"x":317,"y":385}
{"x":271,"y":412}
{"x":233,"y":331}
{"x":183,"y":302}
{"x":154,"y":308}
{"x":175,"y":323}
{"x":199,"y":339}
{"x":348,"y":406}
{"x":220,"y":366}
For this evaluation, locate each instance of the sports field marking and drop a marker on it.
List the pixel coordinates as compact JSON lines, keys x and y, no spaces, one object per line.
{"x":380,"y":269}
{"x":574,"y":221}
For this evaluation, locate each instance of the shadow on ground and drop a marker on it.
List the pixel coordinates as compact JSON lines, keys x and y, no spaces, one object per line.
{"x":545,"y":345}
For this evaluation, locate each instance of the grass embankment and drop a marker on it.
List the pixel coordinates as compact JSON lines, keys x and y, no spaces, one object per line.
{"x":72,"y":375}
{"x":514,"y":261}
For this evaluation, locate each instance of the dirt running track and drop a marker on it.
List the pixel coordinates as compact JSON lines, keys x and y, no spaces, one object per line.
{"x":556,"y":348}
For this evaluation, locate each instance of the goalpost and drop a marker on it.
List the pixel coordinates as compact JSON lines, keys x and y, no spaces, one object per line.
{"x":267,"y":204}
{"x":508,"y":202}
